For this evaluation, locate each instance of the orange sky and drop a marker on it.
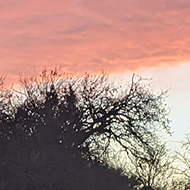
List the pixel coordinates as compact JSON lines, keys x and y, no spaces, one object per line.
{"x":91,"y":35}
{"x":120,"y":36}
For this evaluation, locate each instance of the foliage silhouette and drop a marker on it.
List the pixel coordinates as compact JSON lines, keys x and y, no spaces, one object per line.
{"x":51,"y":128}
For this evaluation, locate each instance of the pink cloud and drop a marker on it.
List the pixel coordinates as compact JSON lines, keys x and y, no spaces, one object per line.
{"x":93,"y":35}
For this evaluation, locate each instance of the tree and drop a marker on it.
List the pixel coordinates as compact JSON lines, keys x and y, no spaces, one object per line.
{"x":59,"y":121}
{"x":182,"y":171}
{"x":155,"y":172}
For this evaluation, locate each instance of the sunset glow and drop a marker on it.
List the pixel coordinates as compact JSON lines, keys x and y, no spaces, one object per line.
{"x":150,"y":38}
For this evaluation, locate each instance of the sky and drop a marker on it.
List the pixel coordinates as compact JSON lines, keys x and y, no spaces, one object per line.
{"x":150,"y":38}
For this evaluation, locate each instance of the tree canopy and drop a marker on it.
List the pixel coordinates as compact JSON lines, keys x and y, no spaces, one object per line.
{"x":56,"y":130}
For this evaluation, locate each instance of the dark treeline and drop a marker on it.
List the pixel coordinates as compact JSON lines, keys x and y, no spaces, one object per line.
{"x":56,"y":132}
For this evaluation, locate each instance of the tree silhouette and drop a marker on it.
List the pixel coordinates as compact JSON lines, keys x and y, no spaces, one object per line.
{"x":182,"y":169}
{"x":50,"y":133}
{"x":154,"y":172}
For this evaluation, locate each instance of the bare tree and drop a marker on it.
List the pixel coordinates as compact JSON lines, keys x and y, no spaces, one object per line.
{"x":155,"y":172}
{"x":182,"y":171}
{"x":80,"y":114}
{"x":127,"y":116}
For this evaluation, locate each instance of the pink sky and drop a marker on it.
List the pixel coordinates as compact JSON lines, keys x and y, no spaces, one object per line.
{"x":93,"y":35}
{"x":89,"y":35}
